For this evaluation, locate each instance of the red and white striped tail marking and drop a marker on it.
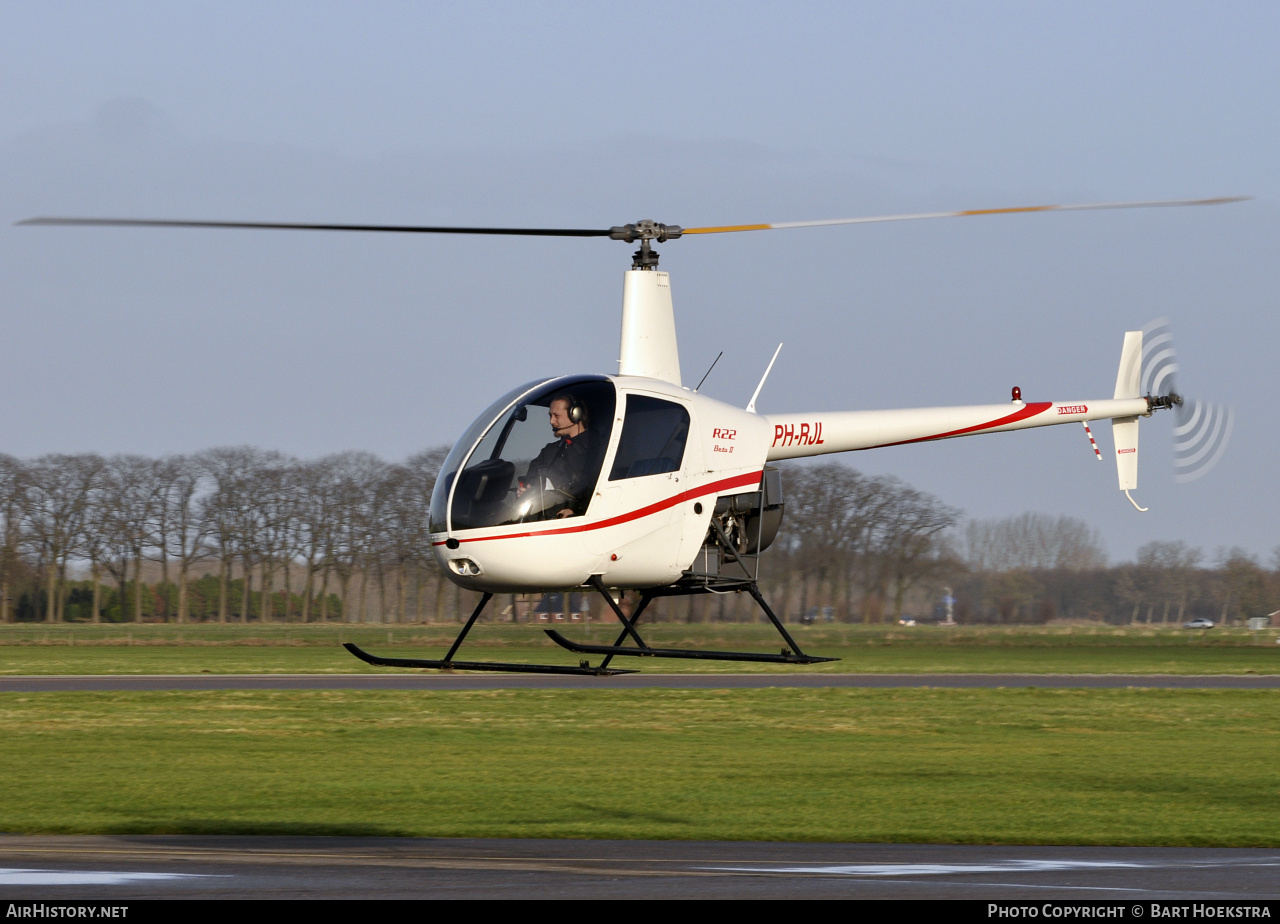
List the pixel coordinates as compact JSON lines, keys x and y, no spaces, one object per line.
{"x":1092,"y":442}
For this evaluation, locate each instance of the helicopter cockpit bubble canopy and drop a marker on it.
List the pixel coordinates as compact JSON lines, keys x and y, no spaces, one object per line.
{"x":511,"y":466}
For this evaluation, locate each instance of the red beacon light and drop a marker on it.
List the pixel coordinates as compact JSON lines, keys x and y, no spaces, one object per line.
{"x":1017,"y":393}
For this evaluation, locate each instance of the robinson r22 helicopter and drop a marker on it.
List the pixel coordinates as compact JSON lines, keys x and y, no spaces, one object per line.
{"x":672,"y":492}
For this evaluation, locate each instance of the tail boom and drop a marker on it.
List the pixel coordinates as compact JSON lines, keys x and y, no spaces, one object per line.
{"x":814,"y":434}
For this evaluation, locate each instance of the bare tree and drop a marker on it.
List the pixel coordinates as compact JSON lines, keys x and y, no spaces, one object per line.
{"x":1168,"y":572}
{"x":418,"y":481}
{"x":275,"y":516}
{"x":1033,"y":542}
{"x":355,"y":476}
{"x":217,"y":516}
{"x":402,"y":508}
{"x":57,"y":499}
{"x":313,"y":537}
{"x":906,"y":537}
{"x":391,"y":541}
{"x":180,"y":532}
{"x":233,"y":515}
{"x":12,"y":503}
{"x":1242,"y":586}
{"x":130,"y":498}
{"x":1014,"y":593}
{"x":95,"y":547}
{"x":831,"y":510}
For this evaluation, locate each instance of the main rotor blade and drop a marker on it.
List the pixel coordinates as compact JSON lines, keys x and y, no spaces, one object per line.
{"x":777,"y":226}
{"x":291,"y":226}
{"x":624,"y":232}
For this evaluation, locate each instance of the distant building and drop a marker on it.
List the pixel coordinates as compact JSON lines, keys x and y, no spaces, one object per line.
{"x":549,"y":608}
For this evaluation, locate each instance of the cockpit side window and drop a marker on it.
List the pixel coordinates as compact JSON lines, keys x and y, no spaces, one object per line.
{"x":654,"y":433}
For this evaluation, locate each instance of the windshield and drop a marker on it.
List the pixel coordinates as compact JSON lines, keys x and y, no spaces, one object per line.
{"x":440,"y":493}
{"x":538,"y":460}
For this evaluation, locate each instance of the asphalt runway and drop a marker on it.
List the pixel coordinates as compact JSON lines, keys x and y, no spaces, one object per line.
{"x":122,"y":868}
{"x":437,"y":680}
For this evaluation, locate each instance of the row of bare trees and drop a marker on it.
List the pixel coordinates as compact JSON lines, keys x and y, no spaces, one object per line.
{"x":1170,"y":581}
{"x":1034,"y":567}
{"x":863,"y":549}
{"x":257,"y":534}
{"x":285,"y":536}
{"x":304,"y":526}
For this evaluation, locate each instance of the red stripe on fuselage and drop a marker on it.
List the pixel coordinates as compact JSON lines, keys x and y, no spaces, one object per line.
{"x":1030,"y":410}
{"x":737,"y":481}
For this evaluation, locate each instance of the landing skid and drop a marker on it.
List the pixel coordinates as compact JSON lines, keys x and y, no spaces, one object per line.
{"x":448,"y":664}
{"x":787,"y":657}
{"x":483,"y":665}
{"x":790,"y":655}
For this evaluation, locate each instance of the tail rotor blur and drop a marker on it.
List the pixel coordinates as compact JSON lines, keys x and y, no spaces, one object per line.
{"x":1202,"y":430}
{"x":1159,"y":359}
{"x":1200,"y":438}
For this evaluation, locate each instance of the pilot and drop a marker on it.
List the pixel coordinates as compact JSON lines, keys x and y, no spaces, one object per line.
{"x":565,"y":466}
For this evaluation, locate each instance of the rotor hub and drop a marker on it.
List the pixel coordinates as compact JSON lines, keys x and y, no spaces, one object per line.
{"x":1164,"y":402}
{"x":646,"y":231}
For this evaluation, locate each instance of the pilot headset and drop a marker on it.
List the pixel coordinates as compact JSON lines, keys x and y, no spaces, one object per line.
{"x":577,"y":412}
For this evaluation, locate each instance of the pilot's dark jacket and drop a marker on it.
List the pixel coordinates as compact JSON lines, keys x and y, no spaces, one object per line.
{"x":571,"y":464}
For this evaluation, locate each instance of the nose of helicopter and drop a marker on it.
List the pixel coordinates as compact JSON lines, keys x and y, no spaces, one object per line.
{"x":525,"y":564}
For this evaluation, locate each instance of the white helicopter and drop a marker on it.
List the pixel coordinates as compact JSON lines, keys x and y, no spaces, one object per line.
{"x":668,"y":492}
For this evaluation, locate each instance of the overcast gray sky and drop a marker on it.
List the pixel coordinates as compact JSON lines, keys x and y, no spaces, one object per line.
{"x":593,"y":115}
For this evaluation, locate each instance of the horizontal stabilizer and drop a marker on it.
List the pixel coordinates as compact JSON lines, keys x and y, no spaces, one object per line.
{"x":1125,"y":431}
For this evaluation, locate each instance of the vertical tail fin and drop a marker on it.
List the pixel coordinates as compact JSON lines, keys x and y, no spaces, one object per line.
{"x":1129,"y":378}
{"x":1125,"y":429}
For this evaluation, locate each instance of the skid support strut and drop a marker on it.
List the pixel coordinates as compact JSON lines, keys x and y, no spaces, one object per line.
{"x":628,"y":625}
{"x":449,"y":664}
{"x":789,"y":655}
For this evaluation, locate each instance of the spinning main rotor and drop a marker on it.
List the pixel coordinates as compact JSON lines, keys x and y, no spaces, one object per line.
{"x":646,"y":231}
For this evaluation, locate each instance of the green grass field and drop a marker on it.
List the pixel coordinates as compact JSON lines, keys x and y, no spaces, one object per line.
{"x":254,"y":648}
{"x":954,"y":766}
{"x":958,"y":766}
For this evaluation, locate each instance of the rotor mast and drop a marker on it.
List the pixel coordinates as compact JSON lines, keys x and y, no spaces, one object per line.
{"x":648,"y":346}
